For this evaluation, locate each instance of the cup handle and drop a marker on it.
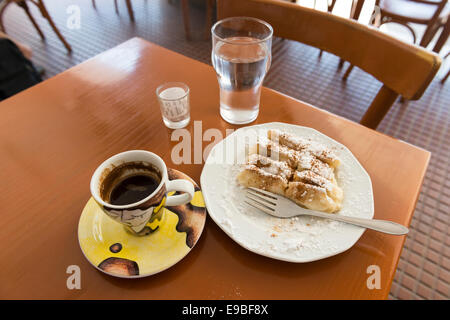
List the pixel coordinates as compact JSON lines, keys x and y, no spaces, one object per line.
{"x":179,"y":185}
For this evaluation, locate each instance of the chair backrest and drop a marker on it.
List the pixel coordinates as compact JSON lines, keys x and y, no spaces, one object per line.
{"x":404,"y":69}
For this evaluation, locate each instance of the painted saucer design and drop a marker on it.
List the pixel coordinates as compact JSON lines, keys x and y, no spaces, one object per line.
{"x":111,"y":249}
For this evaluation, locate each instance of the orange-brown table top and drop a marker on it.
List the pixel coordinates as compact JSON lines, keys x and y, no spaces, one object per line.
{"x":54,"y":135}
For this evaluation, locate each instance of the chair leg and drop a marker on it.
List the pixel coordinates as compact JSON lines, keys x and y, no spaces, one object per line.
{"x":209,"y":17}
{"x":448,"y":73}
{"x":93,"y":4}
{"x":331,"y":6}
{"x":116,"y":7}
{"x":25,"y":7}
{"x":357,"y":8}
{"x":445,"y":34}
{"x":130,"y":10}
{"x":46,"y":15}
{"x":347,"y":73}
{"x":429,"y":34}
{"x":185,"y":8}
{"x":446,"y":77}
{"x":380,"y":106}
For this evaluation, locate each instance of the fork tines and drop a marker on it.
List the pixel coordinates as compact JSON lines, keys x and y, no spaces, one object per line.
{"x":262,"y":200}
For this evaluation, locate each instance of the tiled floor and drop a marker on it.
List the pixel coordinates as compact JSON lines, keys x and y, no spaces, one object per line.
{"x":424,"y":268}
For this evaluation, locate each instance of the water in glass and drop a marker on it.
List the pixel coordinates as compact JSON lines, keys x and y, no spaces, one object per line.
{"x":241,"y":55}
{"x":241,"y":64}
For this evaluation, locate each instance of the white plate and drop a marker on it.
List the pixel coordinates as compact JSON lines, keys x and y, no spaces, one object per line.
{"x":301,"y":239}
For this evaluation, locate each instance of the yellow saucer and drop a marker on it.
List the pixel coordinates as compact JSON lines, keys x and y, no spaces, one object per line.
{"x":111,"y":249}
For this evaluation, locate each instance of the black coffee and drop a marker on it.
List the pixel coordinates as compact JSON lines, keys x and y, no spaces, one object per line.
{"x":133,"y":189}
{"x":130,"y":183}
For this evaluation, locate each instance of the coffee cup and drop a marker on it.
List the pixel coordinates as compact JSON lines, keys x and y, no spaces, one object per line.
{"x":131,"y":187}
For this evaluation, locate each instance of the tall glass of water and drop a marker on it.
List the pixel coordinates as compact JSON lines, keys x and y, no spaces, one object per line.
{"x":241,"y":56}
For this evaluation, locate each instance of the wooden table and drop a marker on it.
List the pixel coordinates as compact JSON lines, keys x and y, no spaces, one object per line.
{"x":54,"y":135}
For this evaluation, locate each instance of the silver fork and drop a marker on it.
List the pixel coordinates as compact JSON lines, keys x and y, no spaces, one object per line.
{"x":281,"y":207}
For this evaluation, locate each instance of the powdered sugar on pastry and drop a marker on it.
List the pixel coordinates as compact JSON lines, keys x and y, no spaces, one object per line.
{"x":270,"y":166}
{"x":294,"y":169}
{"x":299,"y":144}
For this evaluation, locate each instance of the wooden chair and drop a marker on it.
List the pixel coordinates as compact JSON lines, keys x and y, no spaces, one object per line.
{"x":402,"y":68}
{"x":129,"y":8}
{"x":40,"y":4}
{"x":430,"y":13}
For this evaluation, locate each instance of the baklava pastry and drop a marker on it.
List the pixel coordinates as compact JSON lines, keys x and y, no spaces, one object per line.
{"x":314,"y":192}
{"x":296,"y":143}
{"x":295,"y":168}
{"x":264,"y":173}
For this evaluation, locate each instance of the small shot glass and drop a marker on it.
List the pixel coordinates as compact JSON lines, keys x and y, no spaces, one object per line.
{"x":174,"y":102}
